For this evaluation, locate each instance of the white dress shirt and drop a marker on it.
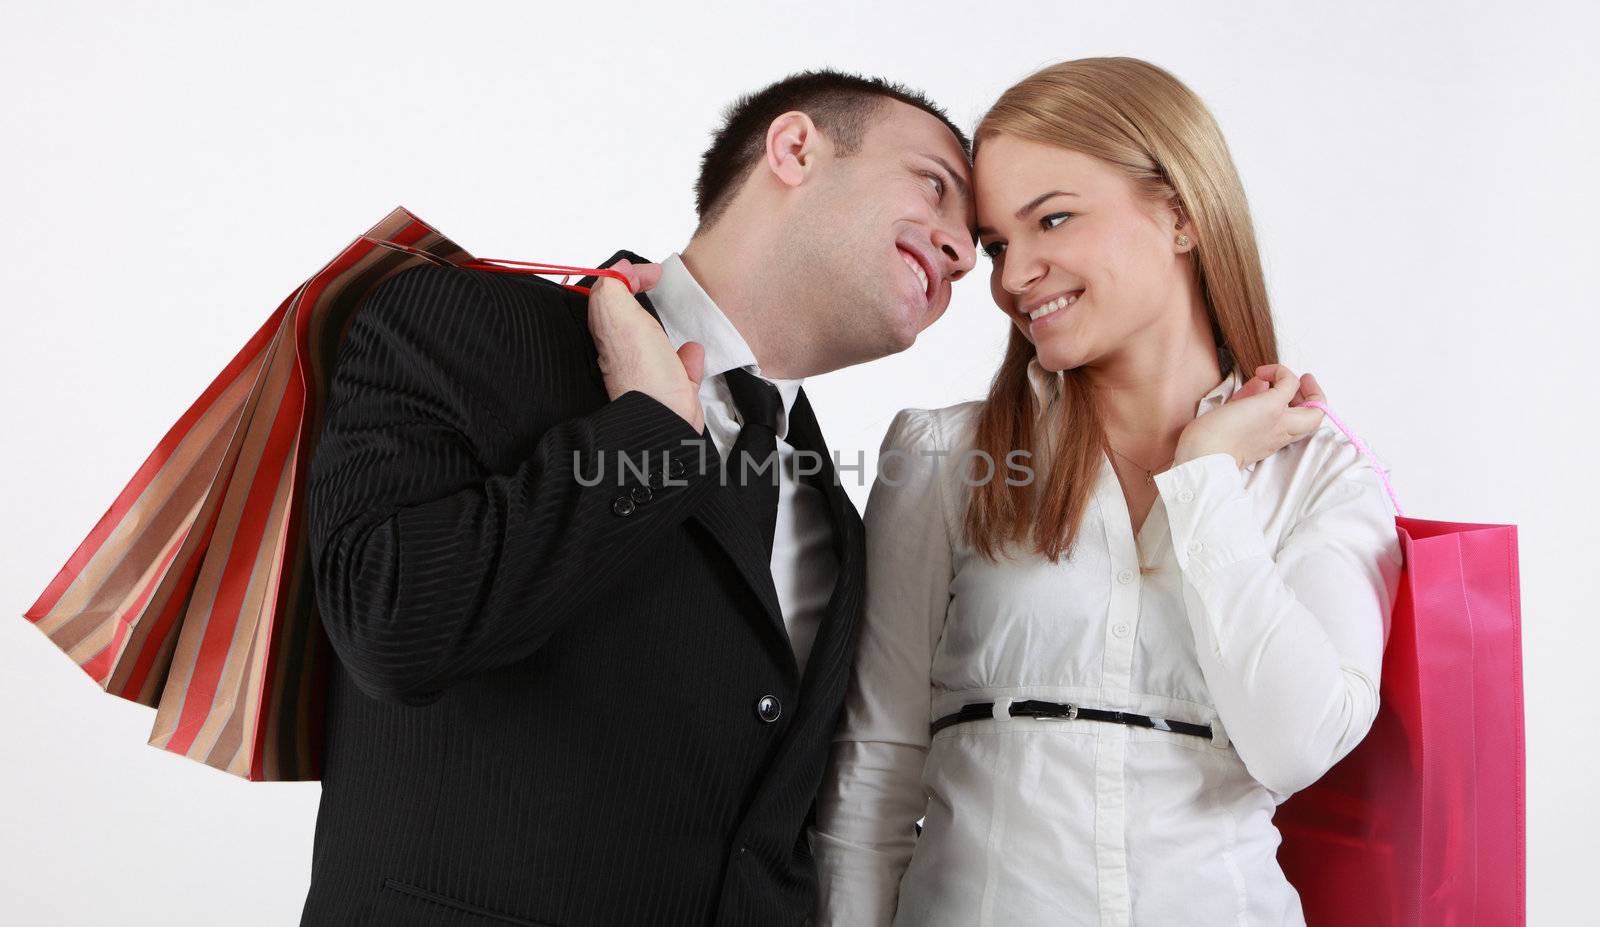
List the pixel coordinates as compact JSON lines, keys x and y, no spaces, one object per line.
{"x":1267,"y":620}
{"x":803,"y":563}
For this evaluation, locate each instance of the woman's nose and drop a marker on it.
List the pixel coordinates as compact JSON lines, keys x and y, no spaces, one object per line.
{"x":1020,"y":276}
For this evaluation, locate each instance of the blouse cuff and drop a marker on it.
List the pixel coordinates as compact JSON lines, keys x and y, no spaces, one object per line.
{"x":1211,"y":517}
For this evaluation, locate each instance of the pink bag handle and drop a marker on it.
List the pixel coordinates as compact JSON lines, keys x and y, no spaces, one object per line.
{"x":1360,"y":446}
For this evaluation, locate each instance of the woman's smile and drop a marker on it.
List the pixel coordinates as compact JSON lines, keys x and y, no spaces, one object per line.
{"x":1049,"y":310}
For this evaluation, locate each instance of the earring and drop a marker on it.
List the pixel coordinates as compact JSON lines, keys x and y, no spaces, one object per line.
{"x":1183,"y":241}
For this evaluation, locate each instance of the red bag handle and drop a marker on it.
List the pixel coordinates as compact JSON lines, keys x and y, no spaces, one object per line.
{"x":532,"y":267}
{"x":521,"y":267}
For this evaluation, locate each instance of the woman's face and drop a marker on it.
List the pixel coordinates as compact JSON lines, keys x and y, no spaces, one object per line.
{"x":1081,"y":262}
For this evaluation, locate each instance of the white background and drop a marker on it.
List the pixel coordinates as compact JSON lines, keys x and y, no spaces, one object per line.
{"x":1422,"y":178}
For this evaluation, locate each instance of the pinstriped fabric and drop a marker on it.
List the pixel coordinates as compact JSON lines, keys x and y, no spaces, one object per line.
{"x":543,"y":707}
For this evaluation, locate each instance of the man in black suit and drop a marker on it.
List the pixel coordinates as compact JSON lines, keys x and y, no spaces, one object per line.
{"x":585,"y":676}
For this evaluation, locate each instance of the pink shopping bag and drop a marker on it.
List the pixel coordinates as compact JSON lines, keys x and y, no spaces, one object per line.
{"x":1422,"y":824}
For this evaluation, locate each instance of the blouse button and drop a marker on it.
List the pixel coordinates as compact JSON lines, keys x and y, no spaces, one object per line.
{"x":1119,"y":629}
{"x":1125,"y":577}
{"x":1194,"y":547}
{"x":1185,"y":495}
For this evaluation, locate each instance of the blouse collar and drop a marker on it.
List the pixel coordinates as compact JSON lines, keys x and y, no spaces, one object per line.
{"x":1046,"y":386}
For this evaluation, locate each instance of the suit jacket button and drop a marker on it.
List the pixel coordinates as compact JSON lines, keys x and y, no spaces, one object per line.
{"x":622,"y":506}
{"x":768,"y":708}
{"x":641,"y":494}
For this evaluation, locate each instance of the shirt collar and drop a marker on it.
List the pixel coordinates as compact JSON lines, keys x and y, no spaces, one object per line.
{"x":1046,"y":383}
{"x":1046,"y":386}
{"x":688,"y":313}
{"x":1219,"y":393}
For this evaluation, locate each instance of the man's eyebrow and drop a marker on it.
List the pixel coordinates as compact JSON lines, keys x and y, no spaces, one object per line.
{"x":955,"y":176}
{"x":1030,"y":206}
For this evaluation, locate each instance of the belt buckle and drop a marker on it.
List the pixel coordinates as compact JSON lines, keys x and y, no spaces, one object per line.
{"x":1072,"y":712}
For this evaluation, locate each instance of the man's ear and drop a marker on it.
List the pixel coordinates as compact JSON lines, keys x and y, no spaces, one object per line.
{"x":793,"y":144}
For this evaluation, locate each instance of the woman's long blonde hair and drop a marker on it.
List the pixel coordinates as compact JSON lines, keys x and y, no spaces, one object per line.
{"x":1143,"y":120}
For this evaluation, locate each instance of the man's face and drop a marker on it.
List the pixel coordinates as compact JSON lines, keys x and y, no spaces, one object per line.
{"x":886,"y":231}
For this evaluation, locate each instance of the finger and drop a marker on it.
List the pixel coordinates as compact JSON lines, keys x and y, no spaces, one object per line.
{"x":1311,"y":390}
{"x":641,"y":277}
{"x":1245,"y":391}
{"x":1285,"y":383}
{"x":600,"y":296}
{"x":648,"y":276}
{"x":1302,"y":421}
{"x":693,"y":355}
{"x":1268,"y":374}
{"x":613,"y":299}
{"x":625,"y":268}
{"x":604,"y":288}
{"x":1255,"y":387}
{"x":614,"y":317}
{"x":1272,"y":372}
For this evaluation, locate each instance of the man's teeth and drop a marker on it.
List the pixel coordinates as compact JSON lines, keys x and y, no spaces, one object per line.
{"x":922,"y":275}
{"x":1060,"y":302}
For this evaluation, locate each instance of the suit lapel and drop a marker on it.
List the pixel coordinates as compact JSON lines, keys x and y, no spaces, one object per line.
{"x":830,"y":651}
{"x":734,"y":530}
{"x":828,"y":667}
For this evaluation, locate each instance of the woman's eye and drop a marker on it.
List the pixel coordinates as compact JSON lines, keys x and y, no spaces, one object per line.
{"x":994,"y":249}
{"x":1054,"y":219}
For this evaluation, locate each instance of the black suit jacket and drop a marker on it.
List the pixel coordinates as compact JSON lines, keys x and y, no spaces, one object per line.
{"x":545,"y":704}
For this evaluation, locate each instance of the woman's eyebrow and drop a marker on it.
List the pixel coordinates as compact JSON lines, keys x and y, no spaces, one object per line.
{"x":1041,"y":198}
{"x":1030,"y":206}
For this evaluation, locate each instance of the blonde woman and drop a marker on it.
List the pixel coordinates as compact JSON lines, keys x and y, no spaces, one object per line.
{"x":1093,"y":670}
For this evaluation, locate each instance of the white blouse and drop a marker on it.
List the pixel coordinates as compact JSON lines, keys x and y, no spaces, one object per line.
{"x":1266,"y":620}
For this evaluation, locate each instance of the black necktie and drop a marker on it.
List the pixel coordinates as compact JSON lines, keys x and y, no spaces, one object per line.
{"x":753,"y":459}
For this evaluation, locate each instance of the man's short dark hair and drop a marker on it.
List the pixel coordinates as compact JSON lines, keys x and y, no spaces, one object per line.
{"x":842,"y":106}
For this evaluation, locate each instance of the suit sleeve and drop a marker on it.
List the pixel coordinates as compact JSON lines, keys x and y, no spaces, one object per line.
{"x":430,"y":566}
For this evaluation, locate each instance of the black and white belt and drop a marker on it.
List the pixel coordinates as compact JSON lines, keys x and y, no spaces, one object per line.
{"x":983,"y":711}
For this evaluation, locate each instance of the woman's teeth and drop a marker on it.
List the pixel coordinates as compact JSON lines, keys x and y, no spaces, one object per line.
{"x":922,"y":275}
{"x":1060,"y":302}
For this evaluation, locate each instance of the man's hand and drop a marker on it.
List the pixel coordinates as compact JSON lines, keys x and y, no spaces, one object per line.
{"x":635,"y":353}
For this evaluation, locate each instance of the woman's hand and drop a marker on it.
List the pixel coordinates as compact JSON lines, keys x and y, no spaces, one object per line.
{"x":1261,"y":417}
{"x":634,"y":352}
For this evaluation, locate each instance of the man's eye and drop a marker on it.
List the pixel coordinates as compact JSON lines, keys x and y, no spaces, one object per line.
{"x":938,"y":184}
{"x":994,"y":249}
{"x":1050,"y":221}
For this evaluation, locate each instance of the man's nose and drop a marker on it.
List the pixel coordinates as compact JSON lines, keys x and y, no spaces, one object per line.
{"x":960,"y":254}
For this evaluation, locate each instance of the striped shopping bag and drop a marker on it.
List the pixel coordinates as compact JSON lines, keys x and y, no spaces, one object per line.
{"x":193,"y":593}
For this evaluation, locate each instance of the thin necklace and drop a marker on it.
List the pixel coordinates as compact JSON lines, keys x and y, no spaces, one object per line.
{"x":1149,"y":474}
